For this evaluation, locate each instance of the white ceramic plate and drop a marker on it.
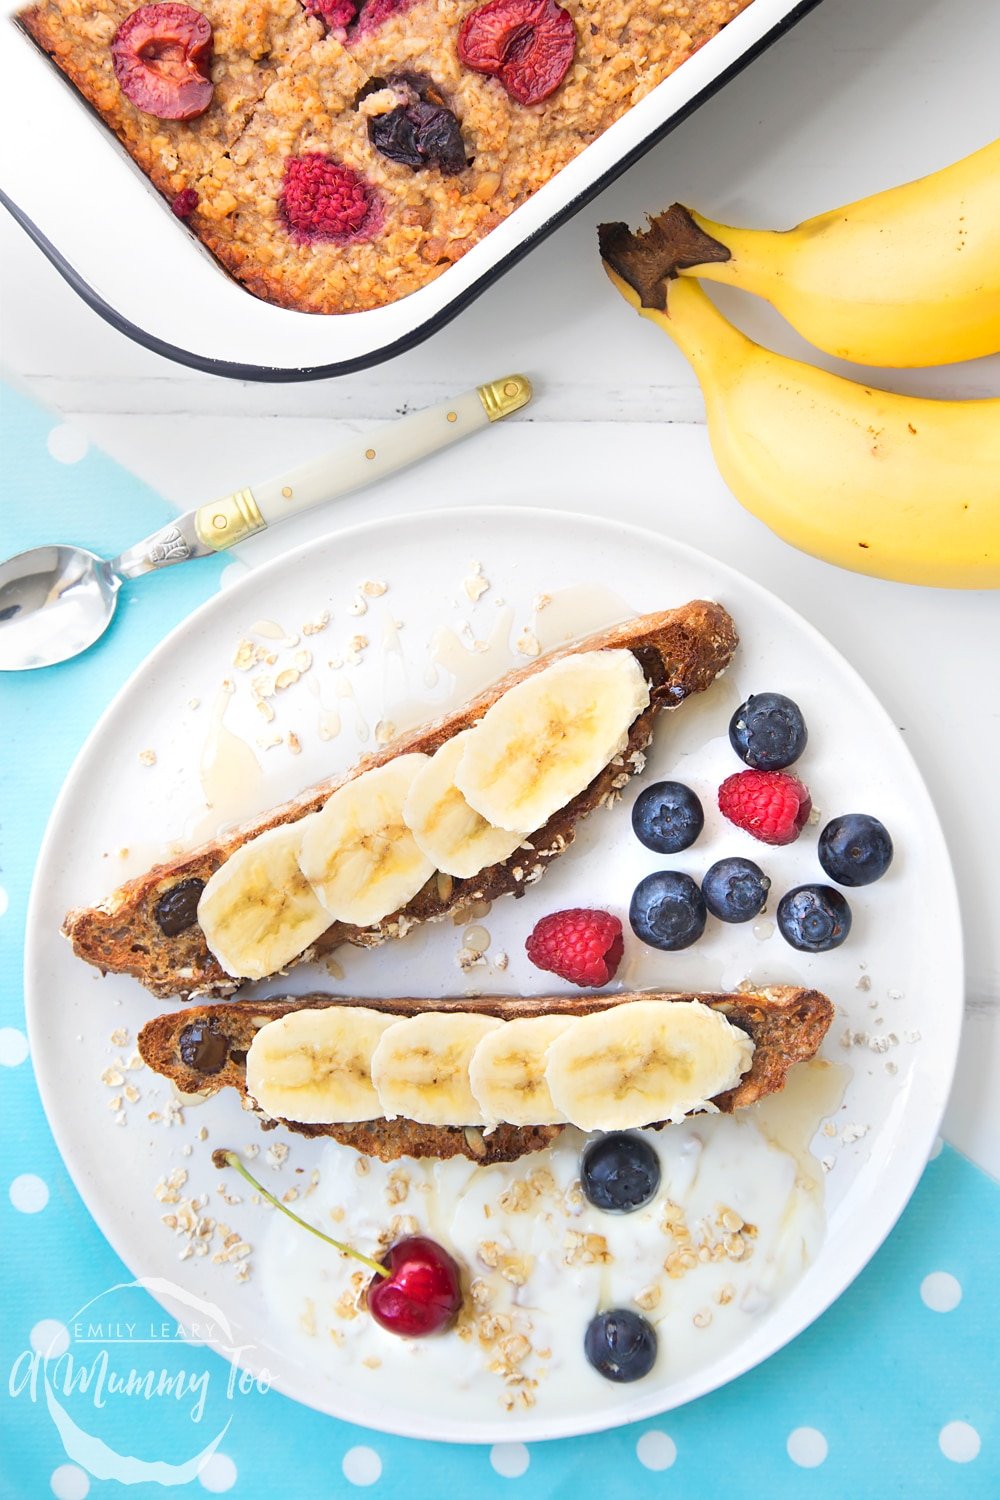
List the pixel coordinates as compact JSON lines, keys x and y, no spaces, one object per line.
{"x":52,"y":177}
{"x":905,"y":944}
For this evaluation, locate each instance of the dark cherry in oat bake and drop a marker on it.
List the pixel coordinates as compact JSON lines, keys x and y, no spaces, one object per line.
{"x":421,"y":131}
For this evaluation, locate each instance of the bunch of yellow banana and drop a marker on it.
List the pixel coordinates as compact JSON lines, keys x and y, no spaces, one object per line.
{"x":907,"y":277}
{"x":900,"y":487}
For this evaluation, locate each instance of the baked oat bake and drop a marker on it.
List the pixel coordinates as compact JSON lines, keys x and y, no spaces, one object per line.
{"x":335,"y":155}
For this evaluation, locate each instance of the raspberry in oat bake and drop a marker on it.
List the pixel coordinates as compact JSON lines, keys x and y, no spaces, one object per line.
{"x":336,"y":155}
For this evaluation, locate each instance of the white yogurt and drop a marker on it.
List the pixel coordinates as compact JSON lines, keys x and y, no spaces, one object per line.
{"x":737,"y":1193}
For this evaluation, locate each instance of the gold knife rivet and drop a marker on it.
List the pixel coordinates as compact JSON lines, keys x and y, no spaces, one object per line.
{"x":453,"y":416}
{"x":510,"y":389}
{"x":370,"y":453}
{"x":219,"y":522}
{"x":287,"y":492}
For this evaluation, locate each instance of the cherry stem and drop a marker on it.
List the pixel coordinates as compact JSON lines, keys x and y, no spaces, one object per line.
{"x":230,"y":1159}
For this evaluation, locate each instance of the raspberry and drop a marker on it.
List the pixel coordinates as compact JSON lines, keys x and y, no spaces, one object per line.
{"x":336,"y":15}
{"x":185,"y":203}
{"x":374,"y":12}
{"x":322,"y":200}
{"x":580,"y":945}
{"x":527,"y":44}
{"x":771,"y":805}
{"x":161,"y":56}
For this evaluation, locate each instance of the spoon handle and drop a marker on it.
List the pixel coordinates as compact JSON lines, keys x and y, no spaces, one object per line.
{"x":221,"y":523}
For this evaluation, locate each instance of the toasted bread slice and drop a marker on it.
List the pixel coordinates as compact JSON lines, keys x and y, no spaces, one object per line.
{"x":786,"y":1024}
{"x":681,"y":651}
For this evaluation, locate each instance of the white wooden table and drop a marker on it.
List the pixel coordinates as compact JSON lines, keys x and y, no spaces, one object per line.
{"x":862,"y":94}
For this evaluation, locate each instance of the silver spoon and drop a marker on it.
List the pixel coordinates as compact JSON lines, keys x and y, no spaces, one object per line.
{"x":57,"y":601}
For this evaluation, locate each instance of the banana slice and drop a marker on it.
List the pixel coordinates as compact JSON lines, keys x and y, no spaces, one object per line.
{"x":258,"y":911}
{"x":358,"y":854}
{"x":314,"y":1066}
{"x":448,"y":830}
{"x":420,"y":1067}
{"x":642,"y":1062}
{"x":507,"y":1071}
{"x":547,"y":738}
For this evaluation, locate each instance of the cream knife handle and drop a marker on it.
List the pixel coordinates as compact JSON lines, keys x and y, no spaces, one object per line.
{"x":222,"y":523}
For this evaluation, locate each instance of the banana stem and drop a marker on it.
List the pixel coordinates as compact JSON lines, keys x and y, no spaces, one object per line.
{"x":230,"y":1159}
{"x":755,"y":257}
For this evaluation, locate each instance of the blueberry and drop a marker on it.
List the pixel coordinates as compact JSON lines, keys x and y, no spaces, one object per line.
{"x":855,"y":849}
{"x":667,"y":817}
{"x":619,"y":1173}
{"x":667,"y":910}
{"x":620,"y":1345}
{"x":735,"y":889}
{"x":814,"y":918}
{"x":768,"y":731}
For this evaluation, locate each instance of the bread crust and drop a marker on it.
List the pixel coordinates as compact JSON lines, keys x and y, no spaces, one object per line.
{"x":681,"y":651}
{"x":786,"y":1023}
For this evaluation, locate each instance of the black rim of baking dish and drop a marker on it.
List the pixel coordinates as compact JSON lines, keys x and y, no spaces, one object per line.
{"x":234,"y":370}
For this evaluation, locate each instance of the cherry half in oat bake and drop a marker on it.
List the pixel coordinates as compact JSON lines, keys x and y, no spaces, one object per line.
{"x":527,"y":44}
{"x":161,"y":56}
{"x":323,"y":200}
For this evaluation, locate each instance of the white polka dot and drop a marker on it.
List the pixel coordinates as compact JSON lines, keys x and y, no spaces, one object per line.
{"x":13,"y":1046}
{"x":50,"y":1338}
{"x":940,"y":1291}
{"x":218,"y":1475}
{"x":806,"y":1447}
{"x":29,"y":1194}
{"x":362,"y":1466}
{"x":655,"y":1450}
{"x":510,"y":1460}
{"x":69,"y":1483}
{"x":936,"y":1148}
{"x":232,"y":573}
{"x":959,"y":1442}
{"x":67,"y":444}
{"x":4,"y":902}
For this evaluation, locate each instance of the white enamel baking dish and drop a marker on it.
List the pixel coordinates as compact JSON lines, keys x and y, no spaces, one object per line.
{"x":78,"y":195}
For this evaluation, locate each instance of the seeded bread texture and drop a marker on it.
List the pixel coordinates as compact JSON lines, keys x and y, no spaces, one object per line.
{"x":786,"y":1024}
{"x":681,"y":651}
{"x":284,"y":88}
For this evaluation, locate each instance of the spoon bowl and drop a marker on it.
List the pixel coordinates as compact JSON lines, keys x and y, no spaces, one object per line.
{"x":57,"y":601}
{"x":54,"y":603}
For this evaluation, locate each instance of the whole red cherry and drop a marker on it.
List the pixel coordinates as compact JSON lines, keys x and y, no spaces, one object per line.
{"x":422,"y":1295}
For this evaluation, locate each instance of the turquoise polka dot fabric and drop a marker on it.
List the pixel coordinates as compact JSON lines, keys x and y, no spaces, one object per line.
{"x":893,"y":1392}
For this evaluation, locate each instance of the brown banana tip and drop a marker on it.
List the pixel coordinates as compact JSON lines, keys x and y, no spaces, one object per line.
{"x":648,"y":259}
